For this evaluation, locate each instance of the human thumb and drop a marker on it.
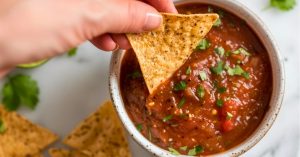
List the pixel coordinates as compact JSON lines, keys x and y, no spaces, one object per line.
{"x":128,"y":16}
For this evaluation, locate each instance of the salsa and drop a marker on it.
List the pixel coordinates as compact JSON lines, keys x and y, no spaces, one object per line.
{"x":214,"y":101}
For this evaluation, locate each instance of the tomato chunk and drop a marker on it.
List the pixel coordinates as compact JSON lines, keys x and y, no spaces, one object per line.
{"x":227,"y":125}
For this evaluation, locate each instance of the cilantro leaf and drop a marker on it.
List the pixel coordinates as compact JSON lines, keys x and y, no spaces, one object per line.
{"x":203,"y":45}
{"x":202,"y":75}
{"x":284,"y":5}
{"x":179,"y":86}
{"x":200,"y":92}
{"x":221,"y":89}
{"x":218,"y":68}
{"x":219,"y":102}
{"x":220,"y":51}
{"x":217,"y":23}
{"x":72,"y":52}
{"x":135,"y":74}
{"x":181,"y":103}
{"x":167,"y":118}
{"x":174,"y":151}
{"x":210,"y":9}
{"x":196,"y":150}
{"x":10,"y":99}
{"x":241,"y":51}
{"x":139,"y":127}
{"x":237,"y":70}
{"x":228,"y":115}
{"x":20,"y":90}
{"x":183,"y":148}
{"x":188,"y":70}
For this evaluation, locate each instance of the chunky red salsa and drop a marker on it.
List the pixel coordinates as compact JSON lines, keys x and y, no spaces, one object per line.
{"x":214,"y":101}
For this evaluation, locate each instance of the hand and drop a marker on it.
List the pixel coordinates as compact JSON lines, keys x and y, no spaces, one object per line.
{"x":38,"y":29}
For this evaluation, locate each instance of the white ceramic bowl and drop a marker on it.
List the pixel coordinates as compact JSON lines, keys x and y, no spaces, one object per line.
{"x":277,"y":72}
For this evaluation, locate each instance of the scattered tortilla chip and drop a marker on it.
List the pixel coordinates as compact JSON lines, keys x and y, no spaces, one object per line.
{"x":37,"y":155}
{"x":65,"y":153}
{"x":163,"y":51}
{"x":100,"y":135}
{"x":21,"y":138}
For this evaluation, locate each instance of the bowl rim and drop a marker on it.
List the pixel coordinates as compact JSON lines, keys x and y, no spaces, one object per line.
{"x":278,"y":83}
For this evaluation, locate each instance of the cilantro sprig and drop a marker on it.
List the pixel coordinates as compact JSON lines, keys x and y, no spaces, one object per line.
{"x":20,"y":90}
{"x":196,"y":150}
{"x":284,"y":5}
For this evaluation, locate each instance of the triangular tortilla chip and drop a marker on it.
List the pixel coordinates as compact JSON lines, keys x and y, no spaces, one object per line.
{"x":161,"y":52}
{"x":21,"y":137}
{"x":101,"y":135}
{"x":65,"y":153}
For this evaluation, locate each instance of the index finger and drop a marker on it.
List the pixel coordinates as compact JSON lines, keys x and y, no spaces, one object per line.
{"x":163,"y":5}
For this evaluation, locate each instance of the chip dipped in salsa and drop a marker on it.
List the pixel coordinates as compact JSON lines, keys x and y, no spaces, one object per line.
{"x":214,"y":101}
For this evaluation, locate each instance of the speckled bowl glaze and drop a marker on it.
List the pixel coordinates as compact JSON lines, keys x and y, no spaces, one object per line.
{"x":277,"y":72}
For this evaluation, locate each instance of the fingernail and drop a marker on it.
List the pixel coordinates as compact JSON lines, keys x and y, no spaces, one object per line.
{"x":116,"y":48}
{"x":152,"y":21}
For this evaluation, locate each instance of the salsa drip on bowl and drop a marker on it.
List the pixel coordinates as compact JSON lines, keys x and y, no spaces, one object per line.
{"x":214,"y":101}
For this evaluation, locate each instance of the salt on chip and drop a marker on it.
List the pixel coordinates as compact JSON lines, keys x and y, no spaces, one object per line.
{"x":22,"y":138}
{"x":101,"y":135}
{"x":65,"y":153}
{"x":161,"y":52}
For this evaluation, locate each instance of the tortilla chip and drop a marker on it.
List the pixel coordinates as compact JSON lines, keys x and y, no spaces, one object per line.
{"x":161,"y":52}
{"x":37,"y":155}
{"x":101,"y":135}
{"x":65,"y":153}
{"x":22,"y":138}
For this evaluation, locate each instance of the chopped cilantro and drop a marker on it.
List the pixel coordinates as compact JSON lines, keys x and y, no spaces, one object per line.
{"x":284,"y":5}
{"x":180,"y":86}
{"x":135,"y":74}
{"x":210,"y":9}
{"x":218,"y":68}
{"x":221,"y":90}
{"x":246,"y":75}
{"x":183,"y":148}
{"x":139,"y":127}
{"x":167,"y":118}
{"x":221,"y":13}
{"x":196,"y":150}
{"x":220,"y":51}
{"x":228,"y":115}
{"x":203,"y":45}
{"x":188,"y":70}
{"x":200,"y":92}
{"x":181,"y":103}
{"x":20,"y":90}
{"x":202,"y":75}
{"x":2,"y":127}
{"x":218,"y":23}
{"x":72,"y":52}
{"x":227,"y":54}
{"x":241,"y":51}
{"x":174,"y":151}
{"x":219,"y":103}
{"x":237,"y":70}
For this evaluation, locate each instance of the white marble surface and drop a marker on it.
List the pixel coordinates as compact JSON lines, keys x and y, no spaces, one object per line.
{"x":71,"y":88}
